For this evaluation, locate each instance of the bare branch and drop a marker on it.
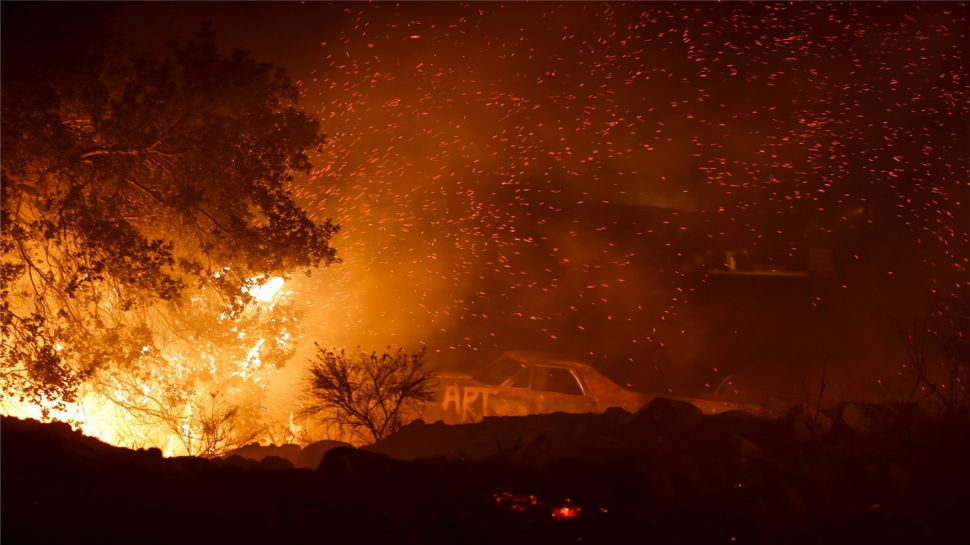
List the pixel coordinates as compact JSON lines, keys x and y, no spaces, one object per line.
{"x":367,"y":392}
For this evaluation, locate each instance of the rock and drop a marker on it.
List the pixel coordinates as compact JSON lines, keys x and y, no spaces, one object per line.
{"x":744,"y":447}
{"x":661,"y":486}
{"x":667,"y":414}
{"x":803,"y":425}
{"x":898,"y":478}
{"x":189,"y":463}
{"x":533,"y":449}
{"x":311,"y":455}
{"x":256,"y":452}
{"x":757,"y":429}
{"x":735,"y":417}
{"x":792,"y":507}
{"x":870,"y":418}
{"x":618,"y":414}
{"x":274,"y":463}
{"x":153,"y":453}
{"x":343,"y":460}
{"x":823,"y":424}
{"x":236,"y":462}
{"x":858,"y":417}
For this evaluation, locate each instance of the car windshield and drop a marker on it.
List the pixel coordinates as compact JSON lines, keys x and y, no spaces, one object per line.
{"x":499,"y":371}
{"x":555,"y":379}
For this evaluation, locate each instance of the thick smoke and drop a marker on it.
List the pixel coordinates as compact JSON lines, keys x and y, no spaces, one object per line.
{"x":564,"y":178}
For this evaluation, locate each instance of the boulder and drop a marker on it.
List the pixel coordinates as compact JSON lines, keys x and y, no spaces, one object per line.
{"x":757,"y":429}
{"x":236,"y":462}
{"x":618,"y":414}
{"x":802,"y":424}
{"x":663,"y":414}
{"x":153,"y":453}
{"x":274,"y":463}
{"x":312,"y":454}
{"x":344,"y":460}
{"x":791,"y":507}
{"x":854,"y":417}
{"x":257,"y":452}
{"x":743,"y":447}
{"x":872,"y":418}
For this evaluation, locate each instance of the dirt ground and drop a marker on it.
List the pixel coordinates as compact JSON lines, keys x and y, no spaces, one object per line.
{"x":667,"y":474}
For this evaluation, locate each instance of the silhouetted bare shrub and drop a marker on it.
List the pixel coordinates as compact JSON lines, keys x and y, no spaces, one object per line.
{"x":938,"y":359}
{"x":367,"y":396}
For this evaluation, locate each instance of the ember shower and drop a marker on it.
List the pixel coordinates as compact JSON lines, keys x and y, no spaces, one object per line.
{"x":565,"y":177}
{"x":587,"y":178}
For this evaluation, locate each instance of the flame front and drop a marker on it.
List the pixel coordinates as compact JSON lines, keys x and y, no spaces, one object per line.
{"x":202,"y":395}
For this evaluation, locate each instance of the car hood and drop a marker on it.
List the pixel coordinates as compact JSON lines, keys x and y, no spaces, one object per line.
{"x":452,"y":375}
{"x":708,"y":405}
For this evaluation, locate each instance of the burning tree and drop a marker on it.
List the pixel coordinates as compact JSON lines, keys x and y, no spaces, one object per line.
{"x":145,"y":205}
{"x":367,"y":396}
{"x":199,"y":388}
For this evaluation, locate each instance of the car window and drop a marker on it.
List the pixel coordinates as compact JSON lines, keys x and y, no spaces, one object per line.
{"x":522,"y":380}
{"x":555,"y":379}
{"x":499,"y":371}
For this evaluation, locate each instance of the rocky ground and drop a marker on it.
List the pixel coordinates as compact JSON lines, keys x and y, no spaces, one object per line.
{"x":667,"y":474}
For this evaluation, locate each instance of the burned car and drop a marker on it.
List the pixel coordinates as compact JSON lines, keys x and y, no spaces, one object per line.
{"x":520,"y":383}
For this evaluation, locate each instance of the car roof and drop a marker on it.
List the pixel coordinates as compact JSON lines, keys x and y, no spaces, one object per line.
{"x":599,"y":384}
{"x":544,"y":358}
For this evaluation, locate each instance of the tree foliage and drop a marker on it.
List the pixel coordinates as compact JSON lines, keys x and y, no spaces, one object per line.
{"x":130,"y":184}
{"x":368,"y":396}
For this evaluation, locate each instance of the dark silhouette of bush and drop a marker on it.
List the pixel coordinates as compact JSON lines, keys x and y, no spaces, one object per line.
{"x":367,"y":396}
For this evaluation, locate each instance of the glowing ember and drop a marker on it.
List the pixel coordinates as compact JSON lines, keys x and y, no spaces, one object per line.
{"x":524,"y":502}
{"x":566,"y":512}
{"x":486,"y":184}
